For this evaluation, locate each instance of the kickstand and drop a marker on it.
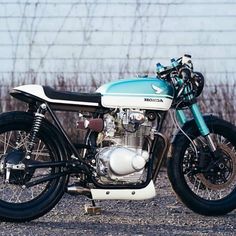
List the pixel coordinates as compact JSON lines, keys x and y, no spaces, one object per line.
{"x":92,"y":209}
{"x":93,"y":203}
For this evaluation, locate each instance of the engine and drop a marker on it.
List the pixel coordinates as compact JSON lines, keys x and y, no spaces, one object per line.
{"x":124,"y":146}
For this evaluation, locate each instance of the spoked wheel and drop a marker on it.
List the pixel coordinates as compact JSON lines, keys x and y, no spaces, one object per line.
{"x":214,"y":178}
{"x":17,"y":202}
{"x":206,"y":183}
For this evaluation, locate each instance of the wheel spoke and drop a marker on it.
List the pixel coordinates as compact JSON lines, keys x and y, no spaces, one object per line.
{"x":13,"y":192}
{"x":215,"y":185}
{"x":6,"y":142}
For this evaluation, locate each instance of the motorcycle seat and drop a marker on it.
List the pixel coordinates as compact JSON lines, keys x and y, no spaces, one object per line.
{"x":72,"y":96}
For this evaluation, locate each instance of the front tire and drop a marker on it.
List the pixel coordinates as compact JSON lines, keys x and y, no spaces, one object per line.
{"x":19,"y":204}
{"x":210,"y":192}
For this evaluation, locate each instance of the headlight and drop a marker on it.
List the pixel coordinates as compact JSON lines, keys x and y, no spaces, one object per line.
{"x":198,"y":83}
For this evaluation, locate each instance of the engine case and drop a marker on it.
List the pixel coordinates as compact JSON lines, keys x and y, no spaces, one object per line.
{"x":124,"y":146}
{"x":121,"y":164}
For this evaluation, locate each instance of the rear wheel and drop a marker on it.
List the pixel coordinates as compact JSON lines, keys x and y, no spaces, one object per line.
{"x":17,"y":203}
{"x":205,"y":183}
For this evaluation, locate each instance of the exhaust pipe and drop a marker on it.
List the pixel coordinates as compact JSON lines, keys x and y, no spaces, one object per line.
{"x":78,"y":190}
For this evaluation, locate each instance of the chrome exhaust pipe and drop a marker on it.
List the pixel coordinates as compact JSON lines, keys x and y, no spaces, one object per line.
{"x":78,"y":190}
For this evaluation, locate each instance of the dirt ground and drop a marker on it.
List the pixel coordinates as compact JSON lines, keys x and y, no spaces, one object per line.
{"x":163,"y":215}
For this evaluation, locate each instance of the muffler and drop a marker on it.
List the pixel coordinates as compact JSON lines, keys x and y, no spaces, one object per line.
{"x":78,"y":190}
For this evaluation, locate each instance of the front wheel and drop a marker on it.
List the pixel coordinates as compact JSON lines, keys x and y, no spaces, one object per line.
{"x":17,"y":203}
{"x":204,"y":182}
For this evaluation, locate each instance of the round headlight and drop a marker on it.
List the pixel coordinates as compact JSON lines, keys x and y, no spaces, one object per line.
{"x":198,"y":83}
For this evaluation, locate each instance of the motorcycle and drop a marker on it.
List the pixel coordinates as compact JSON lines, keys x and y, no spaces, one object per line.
{"x":124,"y":145}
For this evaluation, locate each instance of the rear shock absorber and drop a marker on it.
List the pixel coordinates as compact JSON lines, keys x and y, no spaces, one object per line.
{"x":38,"y":118}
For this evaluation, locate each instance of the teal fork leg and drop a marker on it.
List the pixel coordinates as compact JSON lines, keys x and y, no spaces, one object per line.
{"x":199,"y":120}
{"x":202,"y":125}
{"x":181,"y":117}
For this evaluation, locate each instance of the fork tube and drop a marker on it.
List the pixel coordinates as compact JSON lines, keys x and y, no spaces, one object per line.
{"x":202,"y":125}
{"x":181,"y":117}
{"x":199,"y":120}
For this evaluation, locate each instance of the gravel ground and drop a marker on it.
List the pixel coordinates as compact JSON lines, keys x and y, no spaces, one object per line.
{"x":163,"y":215}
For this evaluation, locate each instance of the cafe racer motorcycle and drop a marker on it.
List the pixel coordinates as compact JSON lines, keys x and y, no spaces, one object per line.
{"x":123,"y":149}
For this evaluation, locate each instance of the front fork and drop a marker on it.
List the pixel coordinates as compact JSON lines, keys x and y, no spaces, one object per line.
{"x":201,"y":124}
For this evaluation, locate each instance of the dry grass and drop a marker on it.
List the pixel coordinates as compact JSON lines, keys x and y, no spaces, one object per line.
{"x":215,"y":99}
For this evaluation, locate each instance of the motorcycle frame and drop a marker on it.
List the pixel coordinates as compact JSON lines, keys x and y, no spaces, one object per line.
{"x":76,"y":164}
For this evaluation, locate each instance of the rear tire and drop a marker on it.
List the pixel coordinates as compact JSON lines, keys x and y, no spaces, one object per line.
{"x":18,"y":204}
{"x":208,"y":194}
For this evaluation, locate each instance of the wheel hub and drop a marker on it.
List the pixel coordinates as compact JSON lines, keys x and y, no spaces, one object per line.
{"x":221,"y":172}
{"x":10,"y":165}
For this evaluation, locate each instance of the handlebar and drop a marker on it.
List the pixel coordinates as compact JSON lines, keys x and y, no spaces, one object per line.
{"x":177,"y":66}
{"x":182,"y":76}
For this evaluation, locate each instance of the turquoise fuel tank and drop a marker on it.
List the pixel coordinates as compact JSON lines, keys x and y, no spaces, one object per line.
{"x":138,"y":93}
